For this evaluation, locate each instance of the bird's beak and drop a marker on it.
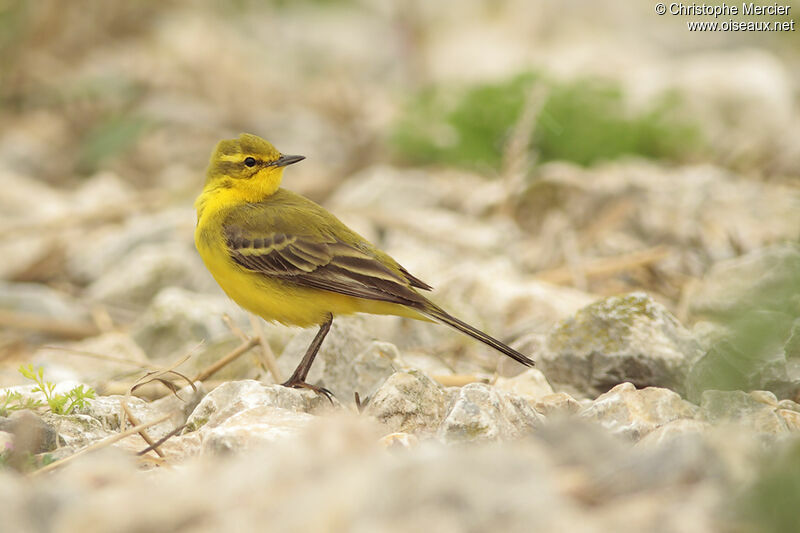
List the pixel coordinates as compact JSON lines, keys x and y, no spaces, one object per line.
{"x":284,"y":160}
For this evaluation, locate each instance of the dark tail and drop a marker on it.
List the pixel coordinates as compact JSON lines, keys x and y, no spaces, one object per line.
{"x":443,"y":316}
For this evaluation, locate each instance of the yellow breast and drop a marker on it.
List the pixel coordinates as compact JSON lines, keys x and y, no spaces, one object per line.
{"x":273,"y":299}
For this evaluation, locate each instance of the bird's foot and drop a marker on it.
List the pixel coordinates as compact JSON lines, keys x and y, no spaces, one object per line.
{"x":297,"y":384}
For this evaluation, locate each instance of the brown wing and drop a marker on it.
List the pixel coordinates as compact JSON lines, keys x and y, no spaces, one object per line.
{"x":322,"y":263}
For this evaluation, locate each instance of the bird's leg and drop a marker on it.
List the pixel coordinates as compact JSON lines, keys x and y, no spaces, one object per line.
{"x":298,"y":378}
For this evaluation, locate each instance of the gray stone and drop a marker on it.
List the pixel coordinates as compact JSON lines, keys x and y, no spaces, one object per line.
{"x":41,"y":300}
{"x":237,"y":396}
{"x":76,"y":362}
{"x":481,"y":413}
{"x":409,"y":402}
{"x":184,"y":401}
{"x":791,"y":417}
{"x":385,"y":188}
{"x":557,"y":404}
{"x":397,"y":441}
{"x":626,"y":338}
{"x":662,"y":205}
{"x":531,"y":384}
{"x":108,"y":410}
{"x":790,"y":405}
{"x":765,"y":277}
{"x":91,"y":258}
{"x":675,"y":429}
{"x":634,"y":413}
{"x":764,"y":396}
{"x":6,"y":440}
{"x":26,"y":203}
{"x":737,"y":407}
{"x":349,"y":360}
{"x":513,"y":308}
{"x":252,"y":428}
{"x":529,"y":344}
{"x":177,"y":320}
{"x":30,"y":432}
{"x":148,"y":269}
{"x":77,"y":430}
{"x":306,"y":483}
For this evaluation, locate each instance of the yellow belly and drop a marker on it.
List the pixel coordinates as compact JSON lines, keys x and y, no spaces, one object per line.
{"x":277,"y":300}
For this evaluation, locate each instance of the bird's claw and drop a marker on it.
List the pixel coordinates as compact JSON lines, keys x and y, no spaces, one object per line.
{"x":303,"y":385}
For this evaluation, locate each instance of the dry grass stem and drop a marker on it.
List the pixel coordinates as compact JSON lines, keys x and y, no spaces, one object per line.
{"x":574,"y":260}
{"x":143,"y":433}
{"x":103,"y":215}
{"x":267,"y":357}
{"x":102,"y":319}
{"x":517,"y":157}
{"x":459,"y":380}
{"x":162,"y":440}
{"x":608,"y":218}
{"x":102,"y":444}
{"x":236,"y":330}
{"x":232,"y":356}
{"x":50,"y":326}
{"x":159,"y":375}
{"x":104,"y":357}
{"x":606,"y":266}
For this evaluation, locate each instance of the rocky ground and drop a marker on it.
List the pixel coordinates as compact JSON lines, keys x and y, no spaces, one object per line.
{"x":658,"y":294}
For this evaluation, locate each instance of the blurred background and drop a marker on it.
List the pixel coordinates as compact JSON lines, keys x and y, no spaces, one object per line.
{"x":525,"y":158}
{"x":586,"y":144}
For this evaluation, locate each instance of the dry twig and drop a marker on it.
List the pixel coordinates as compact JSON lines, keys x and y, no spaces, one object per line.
{"x":232,"y":356}
{"x":158,"y":375}
{"x":162,"y":440}
{"x":104,"y":357}
{"x":607,"y":266}
{"x":50,"y":326}
{"x":142,"y":433}
{"x":267,"y":357}
{"x":516,"y":154}
{"x":458,"y":380}
{"x":102,"y":444}
{"x":236,"y":330}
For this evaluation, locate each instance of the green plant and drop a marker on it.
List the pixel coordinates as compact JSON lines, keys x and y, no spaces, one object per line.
{"x":754,"y":312}
{"x":769,"y":504}
{"x":15,"y":401}
{"x":24,"y":462}
{"x":583,"y":121}
{"x":60,"y":404}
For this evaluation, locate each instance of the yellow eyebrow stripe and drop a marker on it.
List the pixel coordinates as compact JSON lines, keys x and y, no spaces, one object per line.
{"x":232,"y":158}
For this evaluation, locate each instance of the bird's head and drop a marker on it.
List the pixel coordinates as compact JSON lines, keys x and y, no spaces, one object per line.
{"x":249,"y":164}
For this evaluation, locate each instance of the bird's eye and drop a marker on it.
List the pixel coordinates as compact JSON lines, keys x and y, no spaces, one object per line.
{"x":250,"y":162}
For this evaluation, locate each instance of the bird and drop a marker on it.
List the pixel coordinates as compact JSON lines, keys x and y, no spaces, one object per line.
{"x":287,"y":259}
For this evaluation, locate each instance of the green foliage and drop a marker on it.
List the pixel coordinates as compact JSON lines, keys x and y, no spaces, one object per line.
{"x":15,"y":401}
{"x":60,"y":404}
{"x":584,"y":121}
{"x":108,"y":138}
{"x":13,"y":20}
{"x":593,"y":125}
{"x":757,"y":326}
{"x":770,"y":504}
{"x":24,"y":462}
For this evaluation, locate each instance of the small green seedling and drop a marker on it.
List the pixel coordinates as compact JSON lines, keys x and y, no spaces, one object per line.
{"x":60,"y":404}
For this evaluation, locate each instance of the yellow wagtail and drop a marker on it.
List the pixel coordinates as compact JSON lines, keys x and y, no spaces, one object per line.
{"x":287,"y":259}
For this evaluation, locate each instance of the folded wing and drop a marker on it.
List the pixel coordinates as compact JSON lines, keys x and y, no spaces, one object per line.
{"x":322,"y":263}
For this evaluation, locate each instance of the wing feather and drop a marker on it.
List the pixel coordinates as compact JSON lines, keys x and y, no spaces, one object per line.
{"x":321,"y":263}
